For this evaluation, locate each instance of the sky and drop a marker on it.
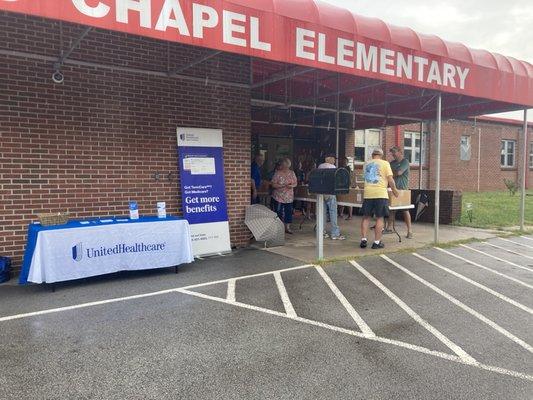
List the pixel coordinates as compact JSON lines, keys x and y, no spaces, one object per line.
{"x":504,"y":27}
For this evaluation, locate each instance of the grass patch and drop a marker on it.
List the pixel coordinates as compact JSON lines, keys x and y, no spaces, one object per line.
{"x":495,"y":210}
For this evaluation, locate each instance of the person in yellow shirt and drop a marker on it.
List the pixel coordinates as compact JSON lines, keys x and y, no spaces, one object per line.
{"x":378,"y":177}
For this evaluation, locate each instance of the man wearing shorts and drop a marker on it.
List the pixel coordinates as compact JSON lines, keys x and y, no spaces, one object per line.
{"x":400,"y":169}
{"x":378,"y":177}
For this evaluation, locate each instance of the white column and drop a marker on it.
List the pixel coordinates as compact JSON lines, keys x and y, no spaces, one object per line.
{"x":437,"y":168}
{"x":524,"y":174}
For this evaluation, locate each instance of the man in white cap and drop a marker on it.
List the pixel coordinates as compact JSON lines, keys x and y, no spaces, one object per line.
{"x":378,"y":177}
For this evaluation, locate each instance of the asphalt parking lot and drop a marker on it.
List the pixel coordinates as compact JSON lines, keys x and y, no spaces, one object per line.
{"x":439,"y":324}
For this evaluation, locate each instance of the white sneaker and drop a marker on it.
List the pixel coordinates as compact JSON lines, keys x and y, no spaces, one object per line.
{"x":340,"y":237}
{"x":326,"y":235}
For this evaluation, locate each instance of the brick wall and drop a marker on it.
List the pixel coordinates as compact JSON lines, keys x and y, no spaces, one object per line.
{"x":463,"y":175}
{"x":93,"y":143}
{"x":455,"y":173}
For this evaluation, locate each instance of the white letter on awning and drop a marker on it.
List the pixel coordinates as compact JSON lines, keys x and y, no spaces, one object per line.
{"x":172,"y":8}
{"x":434,"y":73}
{"x":449,"y":75}
{"x":99,"y":11}
{"x":386,"y":61}
{"x":463,"y":73}
{"x":421,"y":62}
{"x":199,"y":22}
{"x":302,"y":42}
{"x":142,"y":6}
{"x":229,"y":27}
{"x":404,"y":67}
{"x":322,"y":56}
{"x":255,"y":43}
{"x":345,"y":49}
{"x":365,"y":60}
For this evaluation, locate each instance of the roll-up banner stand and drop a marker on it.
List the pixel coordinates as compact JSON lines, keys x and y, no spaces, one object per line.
{"x":203,"y":192}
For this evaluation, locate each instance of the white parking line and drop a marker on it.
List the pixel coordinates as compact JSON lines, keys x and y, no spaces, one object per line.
{"x":230,"y":296}
{"x":460,"y":304}
{"x":475,"y":264}
{"x":354,"y":314}
{"x":434,"y":331}
{"x":476,"y":284}
{"x":84,"y":305}
{"x":289,"y":309}
{"x":379,"y":339}
{"x":496,"y":258}
{"x":527,"y":237}
{"x":507,"y":250}
{"x":517,"y":243}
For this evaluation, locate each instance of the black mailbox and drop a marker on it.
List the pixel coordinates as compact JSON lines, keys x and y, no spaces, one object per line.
{"x":329,"y":181}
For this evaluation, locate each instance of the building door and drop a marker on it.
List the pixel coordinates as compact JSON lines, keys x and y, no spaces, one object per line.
{"x":274,"y":149}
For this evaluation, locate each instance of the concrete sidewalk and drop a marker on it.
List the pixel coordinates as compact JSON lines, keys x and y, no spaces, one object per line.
{"x":302,"y":245}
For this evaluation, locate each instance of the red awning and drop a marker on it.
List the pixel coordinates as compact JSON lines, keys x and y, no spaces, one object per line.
{"x":308,"y":33}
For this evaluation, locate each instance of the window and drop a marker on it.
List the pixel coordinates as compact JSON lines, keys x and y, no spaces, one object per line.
{"x":365,"y":143}
{"x":465,"y":148}
{"x":508,"y":153}
{"x":531,"y":155}
{"x":411,"y":147}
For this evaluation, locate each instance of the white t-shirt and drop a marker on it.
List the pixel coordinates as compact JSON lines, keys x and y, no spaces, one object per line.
{"x":326,"y":165}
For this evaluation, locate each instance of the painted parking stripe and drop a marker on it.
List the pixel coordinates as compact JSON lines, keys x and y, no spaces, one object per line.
{"x":517,"y":243}
{"x":475,"y":264}
{"x":508,"y":250}
{"x":85,"y":305}
{"x":379,"y":339}
{"x":231,"y":291}
{"x":349,"y":308}
{"x":497,"y":258}
{"x":434,"y":331}
{"x":289,"y":309}
{"x":476,"y":284}
{"x":463,"y":306}
{"x":527,"y":237}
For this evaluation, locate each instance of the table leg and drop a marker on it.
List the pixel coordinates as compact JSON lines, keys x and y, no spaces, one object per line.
{"x":396,"y":232}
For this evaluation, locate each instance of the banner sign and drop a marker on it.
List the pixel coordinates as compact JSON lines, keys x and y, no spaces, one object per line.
{"x":203,"y":192}
{"x":75,"y":251}
{"x":306,"y":33}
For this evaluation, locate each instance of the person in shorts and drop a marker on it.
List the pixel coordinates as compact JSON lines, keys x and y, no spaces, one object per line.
{"x":378,"y":177}
{"x":400,"y":170}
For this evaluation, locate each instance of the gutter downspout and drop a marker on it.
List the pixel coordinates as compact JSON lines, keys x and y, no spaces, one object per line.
{"x":397,"y":135}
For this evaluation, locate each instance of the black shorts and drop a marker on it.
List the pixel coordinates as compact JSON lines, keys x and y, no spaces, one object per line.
{"x":378,"y":208}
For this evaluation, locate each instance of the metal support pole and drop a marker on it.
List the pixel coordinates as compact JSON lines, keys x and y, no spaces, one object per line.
{"x":420,"y":165}
{"x":66,"y":54}
{"x":337,"y":116}
{"x":524,"y":174}
{"x":479,"y":160}
{"x":437,"y":167}
{"x":320,"y":227}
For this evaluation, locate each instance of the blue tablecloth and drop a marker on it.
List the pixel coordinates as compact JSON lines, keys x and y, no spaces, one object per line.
{"x":35,"y":229}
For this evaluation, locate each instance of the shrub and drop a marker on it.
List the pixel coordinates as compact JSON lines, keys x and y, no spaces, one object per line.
{"x":512,"y":186}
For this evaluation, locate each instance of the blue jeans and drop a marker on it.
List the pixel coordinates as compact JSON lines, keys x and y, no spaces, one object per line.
{"x":284,"y":211}
{"x":331,"y":210}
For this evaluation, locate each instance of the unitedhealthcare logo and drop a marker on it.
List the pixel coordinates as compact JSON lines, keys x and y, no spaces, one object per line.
{"x":79,"y":252}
